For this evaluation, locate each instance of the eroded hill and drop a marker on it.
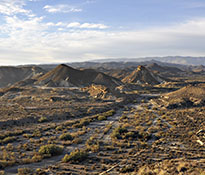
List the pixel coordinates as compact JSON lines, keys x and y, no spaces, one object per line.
{"x":11,"y":75}
{"x":65,"y":76}
{"x":142,"y":76}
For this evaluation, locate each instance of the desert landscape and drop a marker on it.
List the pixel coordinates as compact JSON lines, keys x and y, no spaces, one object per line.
{"x":147,"y":119}
{"x":102,"y":87}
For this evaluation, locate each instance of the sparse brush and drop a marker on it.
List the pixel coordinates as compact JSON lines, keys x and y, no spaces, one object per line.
{"x":117,"y":132}
{"x":42,"y":119}
{"x":25,"y":171}
{"x":75,"y":156}
{"x":66,"y":136}
{"x":50,"y":150}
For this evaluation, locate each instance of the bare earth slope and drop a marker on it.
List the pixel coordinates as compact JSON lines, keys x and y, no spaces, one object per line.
{"x":192,"y":95}
{"x":11,"y":75}
{"x":66,"y":76}
{"x":197,"y":91}
{"x":143,"y":76}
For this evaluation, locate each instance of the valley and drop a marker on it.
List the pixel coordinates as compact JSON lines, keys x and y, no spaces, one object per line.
{"x":138,"y":120}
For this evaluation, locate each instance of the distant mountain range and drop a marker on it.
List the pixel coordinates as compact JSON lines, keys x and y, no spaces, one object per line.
{"x":169,"y":59}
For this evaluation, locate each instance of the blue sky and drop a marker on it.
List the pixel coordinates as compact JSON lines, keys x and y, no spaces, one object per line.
{"x":49,"y":31}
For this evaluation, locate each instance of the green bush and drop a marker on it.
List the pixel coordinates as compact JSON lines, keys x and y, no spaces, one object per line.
{"x":50,"y":150}
{"x":75,"y":156}
{"x":102,"y":117}
{"x":42,"y":119}
{"x":92,"y":144}
{"x":37,"y":158}
{"x":131,"y":135}
{"x":77,"y":141}
{"x":11,"y":133}
{"x":25,"y":171}
{"x":123,"y":117}
{"x":66,"y":136}
{"x":36,"y":133}
{"x":9,"y":139}
{"x":109,"y":113}
{"x":117,"y":132}
{"x":59,"y":128}
{"x":83,"y":122}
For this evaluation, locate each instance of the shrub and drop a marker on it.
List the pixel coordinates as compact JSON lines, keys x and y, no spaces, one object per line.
{"x":25,"y":171}
{"x":66,"y":136}
{"x":11,"y":133}
{"x":131,"y":135}
{"x":127,"y":169}
{"x":92,"y":144}
{"x":123,"y":117}
{"x":27,"y":136}
{"x":77,"y":141}
{"x":50,"y":150}
{"x":105,"y":115}
{"x":95,"y":147}
{"x":83,"y":122}
{"x":117,"y":132}
{"x":42,"y":119}
{"x":109,"y":113}
{"x":108,"y":127}
{"x":36,"y":158}
{"x":36,"y":133}
{"x":102,"y":117}
{"x":59,"y":128}
{"x":8,"y":139}
{"x":75,"y":156}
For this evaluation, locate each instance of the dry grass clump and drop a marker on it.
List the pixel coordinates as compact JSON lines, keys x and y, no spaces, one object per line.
{"x":50,"y":150}
{"x":25,"y":171}
{"x":75,"y":156}
{"x":66,"y":136}
{"x":92,"y":144}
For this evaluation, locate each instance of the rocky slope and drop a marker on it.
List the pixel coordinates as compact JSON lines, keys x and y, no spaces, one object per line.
{"x":143,"y":76}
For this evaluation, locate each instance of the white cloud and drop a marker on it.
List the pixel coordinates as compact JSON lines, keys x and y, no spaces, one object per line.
{"x":93,"y":26}
{"x":87,"y":25}
{"x":77,"y":25}
{"x":12,"y":7}
{"x":90,"y":1}
{"x":50,"y":24}
{"x":29,"y":41}
{"x":73,"y":25}
{"x":62,"y":8}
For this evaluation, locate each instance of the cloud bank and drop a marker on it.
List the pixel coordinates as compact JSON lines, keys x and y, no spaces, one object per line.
{"x":31,"y":40}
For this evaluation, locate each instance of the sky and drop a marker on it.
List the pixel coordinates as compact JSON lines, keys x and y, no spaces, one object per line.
{"x":56,"y":31}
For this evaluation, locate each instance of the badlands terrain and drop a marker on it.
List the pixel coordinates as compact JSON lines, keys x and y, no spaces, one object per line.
{"x":102,"y":118}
